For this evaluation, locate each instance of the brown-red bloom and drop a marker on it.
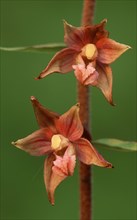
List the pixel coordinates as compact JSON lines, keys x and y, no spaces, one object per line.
{"x":61,"y":138}
{"x":89,"y":52}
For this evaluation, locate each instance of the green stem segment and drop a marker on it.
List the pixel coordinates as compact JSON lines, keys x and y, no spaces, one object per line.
{"x":83,"y":99}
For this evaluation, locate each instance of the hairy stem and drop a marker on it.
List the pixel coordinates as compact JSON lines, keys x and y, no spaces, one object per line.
{"x":88,"y":12}
{"x":83,"y":98}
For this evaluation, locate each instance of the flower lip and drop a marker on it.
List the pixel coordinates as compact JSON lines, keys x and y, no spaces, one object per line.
{"x":87,"y":75}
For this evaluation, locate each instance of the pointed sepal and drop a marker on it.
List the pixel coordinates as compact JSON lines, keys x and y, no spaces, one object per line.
{"x":69,"y":124}
{"x":45,"y":117}
{"x":61,"y":62}
{"x":104,"y":81}
{"x":109,"y":50}
{"x":56,"y":169}
{"x":37,"y":143}
{"x":89,"y":155}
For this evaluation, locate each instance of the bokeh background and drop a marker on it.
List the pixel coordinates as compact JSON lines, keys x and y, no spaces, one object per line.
{"x":23,"y":194}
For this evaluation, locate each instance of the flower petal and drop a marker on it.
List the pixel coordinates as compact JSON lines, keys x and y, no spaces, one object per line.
{"x":100,"y":31}
{"x":48,"y":169}
{"x":77,"y":37}
{"x":88,"y":154}
{"x":55,"y":171}
{"x":62,"y":62}
{"x":109,"y":50}
{"x":48,"y":176}
{"x":69,"y":124}
{"x":54,"y":182}
{"x":104,"y":81}
{"x":73,"y":36}
{"x":37,"y":143}
{"x":45,"y":117}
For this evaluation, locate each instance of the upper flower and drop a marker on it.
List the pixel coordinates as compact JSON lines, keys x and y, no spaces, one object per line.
{"x":89,"y":52}
{"x":61,"y":138}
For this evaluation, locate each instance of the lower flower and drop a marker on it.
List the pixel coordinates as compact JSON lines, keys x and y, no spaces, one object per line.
{"x":61,"y":137}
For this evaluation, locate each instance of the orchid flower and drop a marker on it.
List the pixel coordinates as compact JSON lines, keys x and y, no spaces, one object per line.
{"x":61,"y":138}
{"x":89,"y":53}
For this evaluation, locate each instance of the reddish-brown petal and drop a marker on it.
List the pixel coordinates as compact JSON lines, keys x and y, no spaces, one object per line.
{"x":100,"y":31}
{"x":45,"y":117}
{"x":37,"y":143}
{"x":73,"y":36}
{"x":89,"y":155}
{"x":69,"y":124}
{"x":51,"y":179}
{"x":77,"y":37}
{"x":48,"y":164}
{"x":54,"y":182}
{"x":104,"y":81}
{"x":109,"y":50}
{"x":62,"y":62}
{"x":55,"y":171}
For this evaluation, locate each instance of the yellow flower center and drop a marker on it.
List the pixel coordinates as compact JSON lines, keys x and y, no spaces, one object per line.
{"x":58,"y":142}
{"x":89,"y":51}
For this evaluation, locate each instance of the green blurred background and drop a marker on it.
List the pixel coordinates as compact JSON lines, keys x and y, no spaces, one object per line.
{"x":23,"y":194}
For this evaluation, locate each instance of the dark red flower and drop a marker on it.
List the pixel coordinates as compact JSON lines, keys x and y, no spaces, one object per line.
{"x":89,"y":52}
{"x":61,"y":138}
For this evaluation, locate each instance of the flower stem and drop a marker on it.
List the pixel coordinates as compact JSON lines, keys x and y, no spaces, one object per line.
{"x":83,"y":98}
{"x":88,"y":12}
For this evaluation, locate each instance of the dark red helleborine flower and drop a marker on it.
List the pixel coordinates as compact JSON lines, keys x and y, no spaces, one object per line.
{"x":89,"y":52}
{"x":61,"y":138}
